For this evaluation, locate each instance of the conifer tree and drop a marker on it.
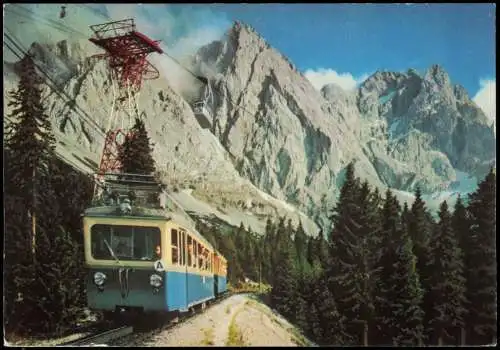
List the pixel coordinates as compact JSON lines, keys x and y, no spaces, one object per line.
{"x":409,"y":294}
{"x":47,"y":299}
{"x":268,"y":247}
{"x":250,"y":260}
{"x":300,"y":241}
{"x":29,"y":140}
{"x":353,"y":261}
{"x":481,"y":278}
{"x":369,"y":234}
{"x":420,"y":227}
{"x":73,"y":192}
{"x":399,"y":293}
{"x":278,"y":247}
{"x":302,"y":294}
{"x":322,"y":249}
{"x":405,"y":217}
{"x":136,"y":153}
{"x":391,"y":228}
{"x":314,"y":329}
{"x":228,"y":249}
{"x":332,"y":324}
{"x":461,"y":228}
{"x":18,"y":262}
{"x":283,"y":293}
{"x":447,"y":293}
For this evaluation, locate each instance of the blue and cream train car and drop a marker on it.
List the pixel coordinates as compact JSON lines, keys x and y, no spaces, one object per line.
{"x":220,"y":273}
{"x":148,"y":261}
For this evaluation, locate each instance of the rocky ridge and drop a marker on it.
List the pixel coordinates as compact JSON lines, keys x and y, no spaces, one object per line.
{"x":272,"y":133}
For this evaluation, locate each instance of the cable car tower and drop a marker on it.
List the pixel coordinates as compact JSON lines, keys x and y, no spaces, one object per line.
{"x":126,"y":52}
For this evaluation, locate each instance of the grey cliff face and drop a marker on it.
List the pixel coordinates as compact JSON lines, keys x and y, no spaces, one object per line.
{"x":272,"y":130}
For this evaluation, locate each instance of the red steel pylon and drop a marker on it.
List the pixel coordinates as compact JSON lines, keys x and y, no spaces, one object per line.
{"x":126,"y":52}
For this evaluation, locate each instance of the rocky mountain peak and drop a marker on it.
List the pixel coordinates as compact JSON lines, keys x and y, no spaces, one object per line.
{"x":333,"y":92}
{"x":460,"y":93}
{"x":270,"y":127}
{"x":438,"y":75}
{"x":382,"y":81}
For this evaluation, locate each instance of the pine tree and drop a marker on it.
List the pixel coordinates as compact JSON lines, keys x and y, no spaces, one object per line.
{"x":240,"y":239}
{"x":73,"y":192}
{"x":353,"y":261}
{"x":29,"y":140}
{"x":461,"y":229}
{"x":314,"y":329}
{"x":481,"y":276}
{"x":332,"y":324}
{"x":228,"y":249}
{"x":283,"y":293}
{"x":409,"y":294}
{"x":302,"y":293}
{"x":30,"y":147}
{"x":399,"y":293}
{"x":322,"y":249}
{"x":18,"y":265}
{"x":300,"y":241}
{"x":369,"y":233}
{"x":268,"y":246}
{"x":136,"y":153}
{"x":405,"y":217}
{"x":391,"y":229}
{"x":58,"y":300}
{"x":252,"y":265}
{"x":420,"y":227}
{"x":447,"y":293}
{"x":279,"y":245}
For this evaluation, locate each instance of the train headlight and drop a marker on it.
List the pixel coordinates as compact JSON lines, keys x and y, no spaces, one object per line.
{"x":99,"y":279}
{"x":155,"y":280}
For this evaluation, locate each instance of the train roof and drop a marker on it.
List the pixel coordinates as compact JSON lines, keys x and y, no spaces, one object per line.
{"x":141,"y":213}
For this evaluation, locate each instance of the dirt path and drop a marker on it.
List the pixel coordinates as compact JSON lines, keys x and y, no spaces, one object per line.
{"x":239,"y":320}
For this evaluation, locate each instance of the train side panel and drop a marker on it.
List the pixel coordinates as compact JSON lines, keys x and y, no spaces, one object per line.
{"x":221,"y":284}
{"x":200,"y":288}
{"x":176,"y":290}
{"x":189,"y":278}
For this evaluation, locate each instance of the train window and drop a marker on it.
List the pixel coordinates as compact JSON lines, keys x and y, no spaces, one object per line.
{"x":175,"y":246}
{"x":195,"y":254}
{"x":190,"y":250}
{"x":124,"y":242}
{"x":200,"y":256}
{"x":203,"y":258}
{"x":183,"y":247}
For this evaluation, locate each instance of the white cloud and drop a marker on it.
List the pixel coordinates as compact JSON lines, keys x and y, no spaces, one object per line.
{"x":182,"y":30}
{"x":485,"y":98}
{"x":322,"y":76}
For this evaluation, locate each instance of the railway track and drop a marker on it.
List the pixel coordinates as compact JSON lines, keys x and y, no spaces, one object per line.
{"x":101,"y":338}
{"x":110,"y":335}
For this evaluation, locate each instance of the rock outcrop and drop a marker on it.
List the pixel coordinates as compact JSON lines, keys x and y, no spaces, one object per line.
{"x":271,"y":131}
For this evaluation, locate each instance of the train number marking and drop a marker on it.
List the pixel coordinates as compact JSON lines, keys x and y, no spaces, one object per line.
{"x":158,"y":265}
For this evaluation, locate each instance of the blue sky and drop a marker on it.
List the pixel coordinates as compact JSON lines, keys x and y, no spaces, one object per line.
{"x":359,"y":39}
{"x":340,"y":43}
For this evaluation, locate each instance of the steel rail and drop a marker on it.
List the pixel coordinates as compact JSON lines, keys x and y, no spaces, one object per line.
{"x":101,"y":338}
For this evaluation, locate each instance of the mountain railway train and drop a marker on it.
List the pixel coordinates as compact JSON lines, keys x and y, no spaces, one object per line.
{"x":146,"y":259}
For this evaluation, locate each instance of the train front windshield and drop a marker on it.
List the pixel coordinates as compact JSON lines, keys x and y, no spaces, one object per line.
{"x":125,"y":242}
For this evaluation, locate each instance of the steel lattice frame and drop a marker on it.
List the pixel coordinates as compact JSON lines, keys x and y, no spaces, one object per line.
{"x":126,"y":52}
